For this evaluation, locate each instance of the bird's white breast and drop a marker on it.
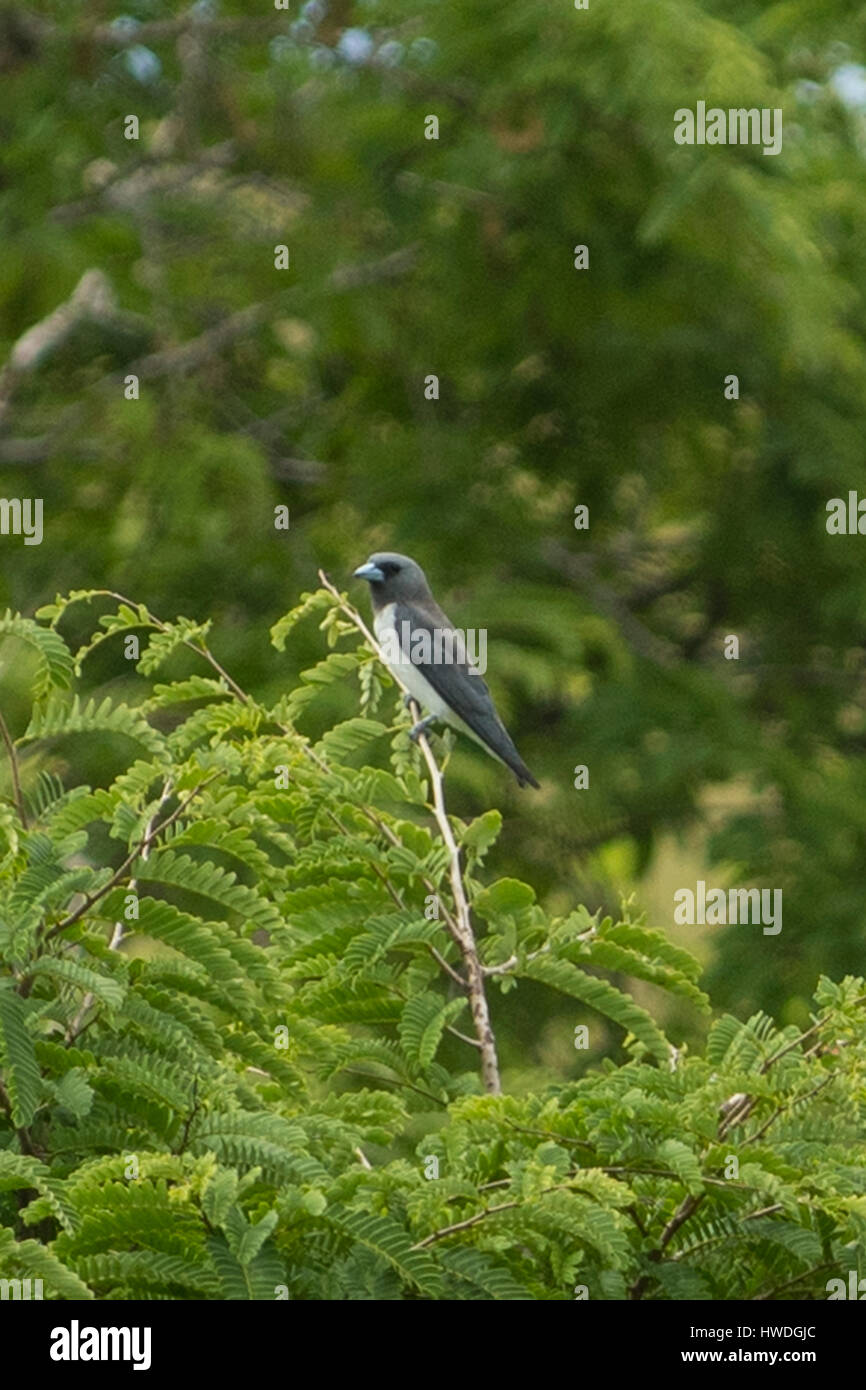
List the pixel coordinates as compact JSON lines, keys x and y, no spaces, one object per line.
{"x":410,"y":675}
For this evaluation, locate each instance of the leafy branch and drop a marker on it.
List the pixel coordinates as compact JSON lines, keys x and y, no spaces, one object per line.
{"x":151,"y":834}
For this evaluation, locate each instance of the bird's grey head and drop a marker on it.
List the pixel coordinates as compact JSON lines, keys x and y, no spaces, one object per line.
{"x":393,"y":578}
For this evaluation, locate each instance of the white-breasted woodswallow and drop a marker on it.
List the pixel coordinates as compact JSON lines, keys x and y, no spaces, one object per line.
{"x":413,"y":631}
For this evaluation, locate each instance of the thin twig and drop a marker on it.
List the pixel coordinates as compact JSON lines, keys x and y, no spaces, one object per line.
{"x":134,"y":854}
{"x":550,"y":1134}
{"x":444,"y":965}
{"x":466,"y":939}
{"x":806,"y":1274}
{"x":455,"y":1032}
{"x":76,"y":1027}
{"x":502,"y":969}
{"x":394,"y":1081}
{"x":810,"y":1032}
{"x":196,"y":1106}
{"x":470,"y":1221}
{"x":795,"y":1100}
{"x":467,"y":1224}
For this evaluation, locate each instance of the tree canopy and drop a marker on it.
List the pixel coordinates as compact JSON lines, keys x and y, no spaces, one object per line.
{"x":329,"y":261}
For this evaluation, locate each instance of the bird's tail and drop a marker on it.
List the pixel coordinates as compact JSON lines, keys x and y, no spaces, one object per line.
{"x":503,"y":747}
{"x":522,"y":773}
{"x":506,"y":751}
{"x":494,"y":736}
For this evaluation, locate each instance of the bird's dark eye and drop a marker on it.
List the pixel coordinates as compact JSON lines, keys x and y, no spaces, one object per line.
{"x":389,"y":567}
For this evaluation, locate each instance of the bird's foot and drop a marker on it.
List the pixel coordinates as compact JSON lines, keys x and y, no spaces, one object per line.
{"x":421,"y":727}
{"x":407,"y":699}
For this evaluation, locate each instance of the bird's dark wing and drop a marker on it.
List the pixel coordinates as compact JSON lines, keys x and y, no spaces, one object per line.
{"x":466,"y":694}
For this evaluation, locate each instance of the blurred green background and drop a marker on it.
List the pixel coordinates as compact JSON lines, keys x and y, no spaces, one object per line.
{"x":558,"y":387}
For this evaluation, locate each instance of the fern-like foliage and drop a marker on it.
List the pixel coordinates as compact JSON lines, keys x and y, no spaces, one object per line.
{"x":230,"y":992}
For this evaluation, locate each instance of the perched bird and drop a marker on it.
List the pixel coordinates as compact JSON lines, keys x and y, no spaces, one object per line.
{"x":412,"y":630}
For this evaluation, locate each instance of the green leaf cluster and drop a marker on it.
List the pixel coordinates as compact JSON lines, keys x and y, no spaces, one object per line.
{"x":235,"y":1061}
